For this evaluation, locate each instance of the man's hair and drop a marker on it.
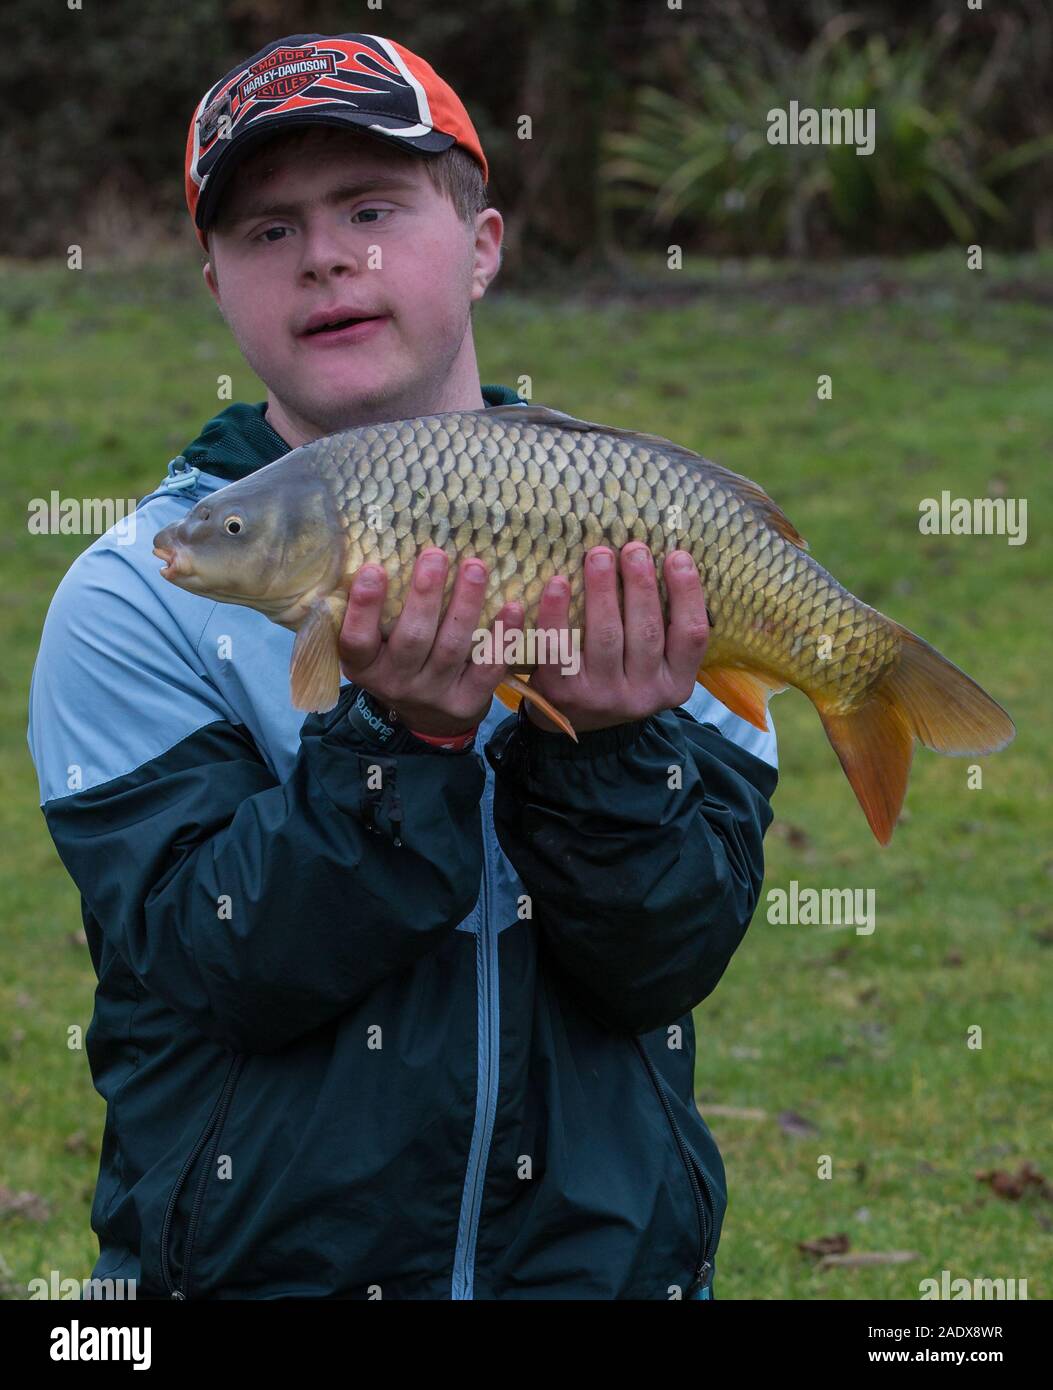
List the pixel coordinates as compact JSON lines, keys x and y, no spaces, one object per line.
{"x":453,"y":173}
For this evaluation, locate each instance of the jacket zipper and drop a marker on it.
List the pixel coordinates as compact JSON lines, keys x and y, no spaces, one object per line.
{"x":702,"y":1263}
{"x":464,"y":1257}
{"x":214,"y":1128}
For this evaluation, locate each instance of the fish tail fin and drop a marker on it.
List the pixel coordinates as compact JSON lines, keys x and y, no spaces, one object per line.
{"x":922,"y":696}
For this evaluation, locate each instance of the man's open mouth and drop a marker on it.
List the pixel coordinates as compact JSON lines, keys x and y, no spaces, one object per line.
{"x":337,"y":325}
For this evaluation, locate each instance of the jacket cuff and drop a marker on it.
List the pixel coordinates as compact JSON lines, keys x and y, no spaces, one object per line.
{"x":520,"y":743}
{"x":344,"y":727}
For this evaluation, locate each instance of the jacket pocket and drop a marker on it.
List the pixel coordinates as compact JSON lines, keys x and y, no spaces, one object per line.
{"x":700,"y":1189}
{"x":207,"y":1143}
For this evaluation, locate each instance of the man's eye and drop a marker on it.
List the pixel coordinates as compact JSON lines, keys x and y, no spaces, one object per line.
{"x":266,"y":236}
{"x":368,"y":211}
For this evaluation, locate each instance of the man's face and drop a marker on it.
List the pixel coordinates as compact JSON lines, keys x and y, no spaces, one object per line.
{"x":335,"y":223}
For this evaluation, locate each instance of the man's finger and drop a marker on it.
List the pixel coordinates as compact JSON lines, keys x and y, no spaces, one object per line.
{"x":413,"y":635}
{"x":553,"y":610}
{"x":644,"y":620}
{"x":604,"y":636}
{"x":481,"y":678}
{"x":453,"y":642}
{"x":685,"y":644}
{"x":360,"y":639}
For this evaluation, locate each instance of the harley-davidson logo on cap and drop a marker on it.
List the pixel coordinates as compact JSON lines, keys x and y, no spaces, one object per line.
{"x":285,"y":72}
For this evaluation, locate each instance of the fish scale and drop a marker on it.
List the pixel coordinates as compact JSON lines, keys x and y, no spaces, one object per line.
{"x":529,"y":491}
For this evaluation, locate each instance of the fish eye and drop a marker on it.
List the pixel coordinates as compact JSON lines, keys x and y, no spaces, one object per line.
{"x":233,"y":525}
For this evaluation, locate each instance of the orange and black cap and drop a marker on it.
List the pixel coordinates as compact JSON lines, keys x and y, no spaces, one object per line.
{"x":359,"y":80}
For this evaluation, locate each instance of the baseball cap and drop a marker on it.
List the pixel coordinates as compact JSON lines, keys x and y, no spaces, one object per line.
{"x":358,"y":80}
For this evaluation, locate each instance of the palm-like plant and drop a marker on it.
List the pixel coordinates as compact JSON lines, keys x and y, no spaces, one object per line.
{"x":704,"y":155}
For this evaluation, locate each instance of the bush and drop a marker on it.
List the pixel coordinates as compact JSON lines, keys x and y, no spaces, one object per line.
{"x":703,"y":158}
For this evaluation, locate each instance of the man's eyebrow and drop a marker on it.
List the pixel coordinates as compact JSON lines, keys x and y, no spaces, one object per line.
{"x":373,"y":184}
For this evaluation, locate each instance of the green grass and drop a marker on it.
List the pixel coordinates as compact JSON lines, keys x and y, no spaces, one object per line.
{"x":944,"y":383}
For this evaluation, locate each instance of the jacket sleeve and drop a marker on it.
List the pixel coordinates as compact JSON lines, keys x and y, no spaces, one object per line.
{"x":256,"y":906}
{"x":641,"y":849}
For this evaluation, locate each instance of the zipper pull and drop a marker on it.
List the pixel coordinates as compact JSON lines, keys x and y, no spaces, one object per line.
{"x":177,"y":1294}
{"x":179,"y":477}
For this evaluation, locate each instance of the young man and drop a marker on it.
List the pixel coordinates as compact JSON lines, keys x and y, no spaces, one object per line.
{"x":431,"y":1040}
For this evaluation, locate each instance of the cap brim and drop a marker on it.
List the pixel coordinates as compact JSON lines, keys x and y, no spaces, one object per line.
{"x":432,"y":142}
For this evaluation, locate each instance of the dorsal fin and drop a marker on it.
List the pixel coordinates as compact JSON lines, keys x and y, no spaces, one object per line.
{"x":545,"y":417}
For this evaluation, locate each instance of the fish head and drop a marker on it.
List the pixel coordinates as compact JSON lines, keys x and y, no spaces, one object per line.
{"x":272,"y":541}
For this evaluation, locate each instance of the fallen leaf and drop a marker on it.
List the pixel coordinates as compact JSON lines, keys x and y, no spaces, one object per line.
{"x":1012,"y":1186}
{"x":826,"y":1245}
{"x":28,"y":1205}
{"x":794,"y":835}
{"x":792,"y":1123}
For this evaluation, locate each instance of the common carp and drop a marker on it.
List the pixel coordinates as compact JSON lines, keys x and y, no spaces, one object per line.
{"x":529,"y":490}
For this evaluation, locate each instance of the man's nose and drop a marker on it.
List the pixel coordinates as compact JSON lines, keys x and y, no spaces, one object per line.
{"x":326,"y":250}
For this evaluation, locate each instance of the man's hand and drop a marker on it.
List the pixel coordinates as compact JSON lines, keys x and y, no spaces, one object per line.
{"x":422,"y":670}
{"x":632,"y":670}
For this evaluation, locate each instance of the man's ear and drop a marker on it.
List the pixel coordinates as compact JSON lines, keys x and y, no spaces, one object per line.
{"x":488,"y":252}
{"x":210,"y":280}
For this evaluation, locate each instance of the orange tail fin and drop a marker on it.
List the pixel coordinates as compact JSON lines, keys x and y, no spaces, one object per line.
{"x":924,"y":697}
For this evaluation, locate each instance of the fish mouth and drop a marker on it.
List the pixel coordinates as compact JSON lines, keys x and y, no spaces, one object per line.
{"x":175,"y":561}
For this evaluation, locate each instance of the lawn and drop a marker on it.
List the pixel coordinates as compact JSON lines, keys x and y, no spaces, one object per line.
{"x":818,"y":1041}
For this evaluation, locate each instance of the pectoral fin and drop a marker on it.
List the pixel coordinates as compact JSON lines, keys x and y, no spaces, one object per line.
{"x":315,"y":668}
{"x":513,"y":690}
{"x":746,"y":693}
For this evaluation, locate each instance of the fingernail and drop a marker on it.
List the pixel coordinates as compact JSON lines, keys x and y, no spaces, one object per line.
{"x":558,"y":587}
{"x":601,"y":560}
{"x":682,"y":561}
{"x":475,"y":571}
{"x":369,"y":577}
{"x":638,"y":559}
{"x":433,"y":564}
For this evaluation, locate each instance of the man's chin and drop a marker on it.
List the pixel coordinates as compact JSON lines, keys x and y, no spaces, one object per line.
{"x":343,"y":409}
